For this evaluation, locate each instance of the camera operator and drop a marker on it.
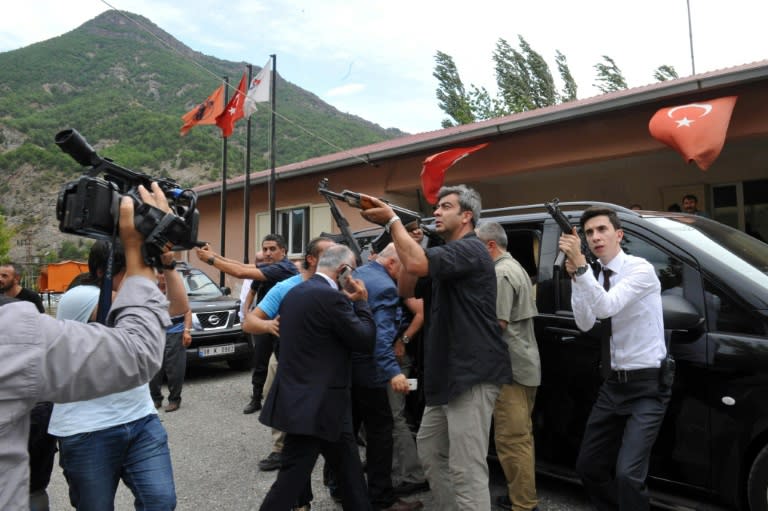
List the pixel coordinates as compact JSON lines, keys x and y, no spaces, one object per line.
{"x":62,"y":361}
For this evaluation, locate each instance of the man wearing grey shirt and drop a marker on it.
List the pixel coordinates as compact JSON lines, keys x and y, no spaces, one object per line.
{"x":49,"y":360}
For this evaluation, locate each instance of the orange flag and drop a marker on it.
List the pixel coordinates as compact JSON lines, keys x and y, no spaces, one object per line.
{"x":234,"y":109}
{"x":696,"y":130}
{"x":433,"y":170}
{"x":206,"y":112}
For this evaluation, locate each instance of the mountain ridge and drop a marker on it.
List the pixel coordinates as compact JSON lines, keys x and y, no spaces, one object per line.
{"x":114,"y":81}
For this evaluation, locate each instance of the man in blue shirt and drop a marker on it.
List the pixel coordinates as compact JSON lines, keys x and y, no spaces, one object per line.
{"x":371,"y":373}
{"x":272,"y":266}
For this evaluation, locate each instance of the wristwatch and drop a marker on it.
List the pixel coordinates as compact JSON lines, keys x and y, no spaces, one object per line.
{"x":581,"y":270}
{"x":405,"y":339}
{"x":391,"y":221}
{"x":211,"y":260}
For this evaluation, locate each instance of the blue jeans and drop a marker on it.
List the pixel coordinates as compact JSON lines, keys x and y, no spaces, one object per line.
{"x":136,"y":452}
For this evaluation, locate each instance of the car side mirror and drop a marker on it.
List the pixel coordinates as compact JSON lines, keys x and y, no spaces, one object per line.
{"x":225,"y":290}
{"x":680,"y":314}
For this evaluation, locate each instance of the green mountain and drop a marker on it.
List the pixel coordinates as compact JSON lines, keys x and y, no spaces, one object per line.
{"x":124,"y":83}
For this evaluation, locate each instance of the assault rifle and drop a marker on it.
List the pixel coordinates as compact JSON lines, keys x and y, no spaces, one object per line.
{"x":358,"y":201}
{"x":553,"y":208}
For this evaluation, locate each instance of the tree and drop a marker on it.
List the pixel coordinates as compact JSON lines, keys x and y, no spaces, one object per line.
{"x":6,"y":233}
{"x":451,"y":95}
{"x":512,"y":77}
{"x":569,"y":84}
{"x":523,"y":79}
{"x":609,"y":76}
{"x":664,"y":73}
{"x":483,"y":105}
{"x":541,"y":83}
{"x":74,"y":251}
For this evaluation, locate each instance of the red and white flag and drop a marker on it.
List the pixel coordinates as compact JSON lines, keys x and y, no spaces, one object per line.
{"x":696,"y":130}
{"x":259,"y":89}
{"x":234,"y":109}
{"x":206,"y":112}
{"x":433,"y":170}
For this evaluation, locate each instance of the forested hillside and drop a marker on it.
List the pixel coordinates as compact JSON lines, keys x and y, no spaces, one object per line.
{"x":124,"y":86}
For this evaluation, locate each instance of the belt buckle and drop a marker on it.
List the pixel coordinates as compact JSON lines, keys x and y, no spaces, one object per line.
{"x":622,"y":376}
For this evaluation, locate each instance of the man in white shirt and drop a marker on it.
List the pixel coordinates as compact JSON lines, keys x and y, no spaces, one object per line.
{"x":625,"y":419}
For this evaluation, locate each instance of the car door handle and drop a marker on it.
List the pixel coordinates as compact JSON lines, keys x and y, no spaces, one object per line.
{"x":565,"y":334}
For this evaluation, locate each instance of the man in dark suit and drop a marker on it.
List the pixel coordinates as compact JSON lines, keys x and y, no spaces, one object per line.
{"x":310,"y":398}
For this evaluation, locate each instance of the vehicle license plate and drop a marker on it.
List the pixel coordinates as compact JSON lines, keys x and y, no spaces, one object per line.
{"x":212,"y":351}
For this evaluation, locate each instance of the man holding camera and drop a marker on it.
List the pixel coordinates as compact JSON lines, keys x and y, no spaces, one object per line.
{"x":61,"y":361}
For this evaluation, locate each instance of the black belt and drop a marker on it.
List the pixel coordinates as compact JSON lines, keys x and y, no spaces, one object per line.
{"x":622,"y":376}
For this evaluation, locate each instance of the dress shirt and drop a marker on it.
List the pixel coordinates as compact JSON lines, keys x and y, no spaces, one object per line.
{"x":633,"y":303}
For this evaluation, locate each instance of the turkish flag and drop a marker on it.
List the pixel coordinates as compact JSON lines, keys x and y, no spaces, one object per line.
{"x":206,"y":112}
{"x":234,"y":109}
{"x":696,"y":130}
{"x":433,"y":170}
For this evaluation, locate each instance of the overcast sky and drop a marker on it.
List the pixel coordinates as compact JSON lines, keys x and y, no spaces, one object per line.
{"x":375,"y":58}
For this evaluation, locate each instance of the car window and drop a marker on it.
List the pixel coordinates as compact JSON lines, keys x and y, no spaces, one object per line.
{"x":727,"y":315}
{"x":199,"y":284}
{"x":669,"y":269}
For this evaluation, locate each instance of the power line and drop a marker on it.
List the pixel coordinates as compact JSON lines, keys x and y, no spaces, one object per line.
{"x":215,"y":75}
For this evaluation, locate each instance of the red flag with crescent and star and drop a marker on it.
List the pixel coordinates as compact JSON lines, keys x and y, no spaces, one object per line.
{"x":234,"y":109}
{"x":696,"y":130}
{"x":434,"y":167}
{"x":204,"y":113}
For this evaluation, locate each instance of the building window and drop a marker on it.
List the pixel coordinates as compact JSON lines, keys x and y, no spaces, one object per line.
{"x":293,"y":225}
{"x":743,"y":206}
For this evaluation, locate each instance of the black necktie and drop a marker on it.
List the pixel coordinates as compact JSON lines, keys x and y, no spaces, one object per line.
{"x":605,"y":338}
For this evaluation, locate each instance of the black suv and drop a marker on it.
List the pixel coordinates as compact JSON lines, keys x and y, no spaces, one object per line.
{"x":216,"y":331}
{"x":712,"y":449}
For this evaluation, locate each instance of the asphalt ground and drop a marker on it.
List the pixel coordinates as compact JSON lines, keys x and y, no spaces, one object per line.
{"x":215,"y":449}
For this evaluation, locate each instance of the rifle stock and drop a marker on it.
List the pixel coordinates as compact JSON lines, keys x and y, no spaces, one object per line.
{"x":340,"y":219}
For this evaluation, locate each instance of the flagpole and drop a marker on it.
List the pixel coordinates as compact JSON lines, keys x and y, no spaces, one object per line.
{"x":247,"y":185}
{"x":690,"y":37}
{"x":272,"y":213}
{"x":223,"y":201}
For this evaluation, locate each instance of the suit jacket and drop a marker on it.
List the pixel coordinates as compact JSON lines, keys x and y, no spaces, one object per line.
{"x":319,"y":328}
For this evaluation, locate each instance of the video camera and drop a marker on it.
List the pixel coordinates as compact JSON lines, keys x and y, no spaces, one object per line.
{"x":89,"y":206}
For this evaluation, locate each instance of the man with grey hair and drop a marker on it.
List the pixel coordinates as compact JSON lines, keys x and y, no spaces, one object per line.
{"x":465,"y":358}
{"x":323,"y":320}
{"x":513,"y":429}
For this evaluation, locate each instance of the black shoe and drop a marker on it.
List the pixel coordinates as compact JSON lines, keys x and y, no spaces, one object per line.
{"x":403,"y":489}
{"x":336,"y":496}
{"x":271,"y":462}
{"x":253,"y":406}
{"x":504,"y":503}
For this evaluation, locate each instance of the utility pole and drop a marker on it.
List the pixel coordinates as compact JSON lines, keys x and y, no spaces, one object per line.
{"x":690,"y":37}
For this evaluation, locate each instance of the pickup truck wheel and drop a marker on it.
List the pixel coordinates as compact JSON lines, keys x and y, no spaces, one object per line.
{"x":239,"y":364}
{"x":757,"y":484}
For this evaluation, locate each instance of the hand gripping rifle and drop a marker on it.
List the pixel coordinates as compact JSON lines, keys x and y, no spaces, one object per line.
{"x":553,"y":208}
{"x":356,"y":200}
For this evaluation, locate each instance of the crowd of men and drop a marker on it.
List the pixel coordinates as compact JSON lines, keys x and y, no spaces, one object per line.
{"x":336,"y":347}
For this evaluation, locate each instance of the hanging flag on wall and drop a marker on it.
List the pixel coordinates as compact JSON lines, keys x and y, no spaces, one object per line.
{"x":234,"y":109}
{"x":433,"y":170}
{"x":696,"y":130}
{"x":258,"y":91}
{"x":206,"y":112}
